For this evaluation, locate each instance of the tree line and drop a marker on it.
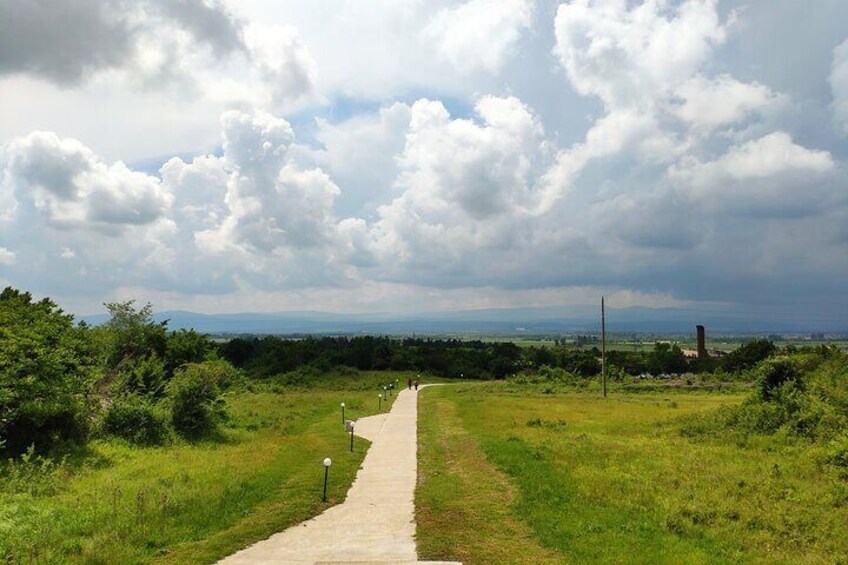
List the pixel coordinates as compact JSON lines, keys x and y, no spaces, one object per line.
{"x":133,"y":378}
{"x":470,"y":359}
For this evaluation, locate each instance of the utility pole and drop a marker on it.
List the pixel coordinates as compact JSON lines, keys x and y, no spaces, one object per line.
{"x":603,"y":347}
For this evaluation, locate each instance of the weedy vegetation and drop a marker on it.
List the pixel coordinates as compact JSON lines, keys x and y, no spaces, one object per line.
{"x":128,"y":443}
{"x":528,"y":472}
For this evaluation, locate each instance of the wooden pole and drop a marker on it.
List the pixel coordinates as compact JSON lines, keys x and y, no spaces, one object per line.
{"x":603,"y":347}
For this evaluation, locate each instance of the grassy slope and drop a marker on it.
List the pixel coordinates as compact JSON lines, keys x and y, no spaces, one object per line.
{"x":613,"y":481}
{"x":192,"y":503}
{"x":463,"y":504}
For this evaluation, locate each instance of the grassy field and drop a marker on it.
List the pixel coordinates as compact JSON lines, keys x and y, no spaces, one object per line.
{"x":508,"y":474}
{"x":646,"y":343}
{"x":190,"y":503}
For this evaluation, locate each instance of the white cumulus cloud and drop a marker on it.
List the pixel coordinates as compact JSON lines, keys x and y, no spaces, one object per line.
{"x":772,"y":155}
{"x":463,"y":182}
{"x":628,"y":54}
{"x":71,"y":187}
{"x":7,"y":257}
{"x":479,"y":34}
{"x":722,"y":100}
{"x":764,"y":176}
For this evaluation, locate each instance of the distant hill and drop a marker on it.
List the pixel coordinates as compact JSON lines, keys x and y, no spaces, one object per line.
{"x":507,"y":321}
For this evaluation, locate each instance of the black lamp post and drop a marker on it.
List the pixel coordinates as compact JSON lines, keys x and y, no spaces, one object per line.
{"x":327,"y":463}
{"x":351,"y":437}
{"x":343,"y":418}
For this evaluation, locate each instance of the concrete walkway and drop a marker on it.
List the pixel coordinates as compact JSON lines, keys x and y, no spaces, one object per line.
{"x":375,"y":524}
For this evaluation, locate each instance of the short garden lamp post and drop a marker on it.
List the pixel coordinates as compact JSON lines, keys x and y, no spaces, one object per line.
{"x":327,"y":463}
{"x":380,"y":402}
{"x":351,"y":436}
{"x":343,"y":418}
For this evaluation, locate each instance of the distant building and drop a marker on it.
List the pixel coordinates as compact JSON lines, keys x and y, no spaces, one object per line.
{"x":702,"y":341}
{"x":701,"y":351}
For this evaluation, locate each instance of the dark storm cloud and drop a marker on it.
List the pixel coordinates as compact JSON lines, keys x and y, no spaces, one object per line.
{"x":61,"y":40}
{"x":208,"y":22}
{"x":64,"y":41}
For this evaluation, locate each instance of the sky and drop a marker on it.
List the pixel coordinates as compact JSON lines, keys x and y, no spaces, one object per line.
{"x":409,"y":156}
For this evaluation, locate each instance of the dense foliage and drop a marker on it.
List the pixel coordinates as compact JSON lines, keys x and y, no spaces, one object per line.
{"x":130,"y":378}
{"x":449,"y":358}
{"x":46,"y":367}
{"x":137,"y":420}
{"x":802,"y":394}
{"x":133,"y":378}
{"x":197,"y":406}
{"x":470,"y":359}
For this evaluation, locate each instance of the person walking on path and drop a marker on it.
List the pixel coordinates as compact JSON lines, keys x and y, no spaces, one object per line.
{"x":409,"y":383}
{"x":416,"y":384}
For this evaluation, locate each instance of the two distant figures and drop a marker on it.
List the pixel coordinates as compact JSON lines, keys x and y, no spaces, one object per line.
{"x":410,"y":383}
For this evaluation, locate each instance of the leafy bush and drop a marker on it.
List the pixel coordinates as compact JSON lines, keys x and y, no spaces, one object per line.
{"x":547,"y":374}
{"x":46,"y":366}
{"x":146,"y":375}
{"x":302,"y":376}
{"x":196,"y":404}
{"x":804,"y":394}
{"x":136,"y":420}
{"x":778,"y":376}
{"x":838,"y":451}
{"x":187,"y":346}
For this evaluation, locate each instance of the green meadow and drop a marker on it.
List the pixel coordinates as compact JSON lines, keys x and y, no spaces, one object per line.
{"x":110,"y":502}
{"x":513,"y":473}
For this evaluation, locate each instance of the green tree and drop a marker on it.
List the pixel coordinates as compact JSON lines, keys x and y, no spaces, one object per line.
{"x":132,"y":334}
{"x":748,"y":355}
{"x":46,"y":367}
{"x":187,"y":346}
{"x":666,"y":358}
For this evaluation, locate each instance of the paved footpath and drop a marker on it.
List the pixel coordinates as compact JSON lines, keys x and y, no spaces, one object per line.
{"x":375,"y":524}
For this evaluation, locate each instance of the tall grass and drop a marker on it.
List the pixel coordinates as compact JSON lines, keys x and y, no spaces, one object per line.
{"x":614,"y":481}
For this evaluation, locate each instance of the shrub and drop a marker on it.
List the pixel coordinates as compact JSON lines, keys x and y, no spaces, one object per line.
{"x":546,"y":374}
{"x":838,"y":451}
{"x":136,"y":420}
{"x":187,"y":346}
{"x":46,"y":366}
{"x":143,"y":376}
{"x":776,"y":376}
{"x":301,"y":376}
{"x":803,"y":394}
{"x":196,"y":404}
{"x":220,"y":371}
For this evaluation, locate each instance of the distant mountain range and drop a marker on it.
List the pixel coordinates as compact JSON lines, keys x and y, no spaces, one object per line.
{"x":508,"y":321}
